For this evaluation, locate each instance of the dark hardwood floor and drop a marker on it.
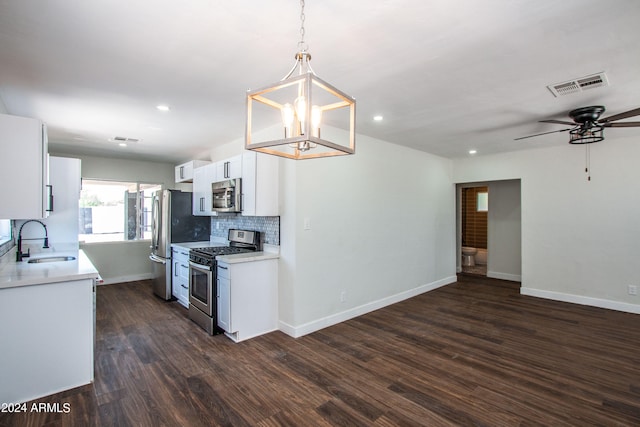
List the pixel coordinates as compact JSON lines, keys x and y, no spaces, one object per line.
{"x":471,"y":353}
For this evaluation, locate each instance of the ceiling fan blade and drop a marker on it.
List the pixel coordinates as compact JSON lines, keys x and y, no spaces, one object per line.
{"x":630,"y":113}
{"x":559,"y":122}
{"x":540,"y":134}
{"x":622,"y":125}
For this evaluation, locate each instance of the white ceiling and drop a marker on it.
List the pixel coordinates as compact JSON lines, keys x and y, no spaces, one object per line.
{"x":447,"y":75}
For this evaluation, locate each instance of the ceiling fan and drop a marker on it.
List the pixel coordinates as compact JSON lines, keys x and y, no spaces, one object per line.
{"x":587,"y":126}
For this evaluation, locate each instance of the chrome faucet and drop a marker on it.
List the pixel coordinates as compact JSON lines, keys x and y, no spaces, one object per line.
{"x":19,"y":254}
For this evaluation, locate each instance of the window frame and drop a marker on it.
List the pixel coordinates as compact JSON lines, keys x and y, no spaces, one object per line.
{"x":139,"y":209}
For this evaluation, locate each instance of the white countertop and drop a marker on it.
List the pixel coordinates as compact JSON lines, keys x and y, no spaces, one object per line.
{"x":190,"y":245}
{"x":14,"y":274}
{"x":247,"y":257}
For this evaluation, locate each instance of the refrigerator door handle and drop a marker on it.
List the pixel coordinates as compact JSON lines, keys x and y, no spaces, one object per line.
{"x":157,"y":259}
{"x":155,"y":231}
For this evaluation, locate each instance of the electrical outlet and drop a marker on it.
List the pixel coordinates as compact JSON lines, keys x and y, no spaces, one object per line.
{"x":307,"y":223}
{"x":632,"y":289}
{"x":343,"y":296}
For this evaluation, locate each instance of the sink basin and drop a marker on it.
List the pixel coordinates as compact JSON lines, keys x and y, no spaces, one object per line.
{"x":51,"y":259}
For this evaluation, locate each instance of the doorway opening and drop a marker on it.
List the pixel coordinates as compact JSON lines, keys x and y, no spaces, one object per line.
{"x":488,"y":229}
{"x":474,"y":212}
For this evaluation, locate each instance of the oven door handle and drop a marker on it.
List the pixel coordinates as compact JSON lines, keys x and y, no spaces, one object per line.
{"x":200,"y":266}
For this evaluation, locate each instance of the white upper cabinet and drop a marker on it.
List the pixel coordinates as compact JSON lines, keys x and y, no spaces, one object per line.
{"x":202,"y":196}
{"x":23,"y":153}
{"x":259,"y":173}
{"x":184,"y":172}
{"x":260,"y":184}
{"x":229,"y":168}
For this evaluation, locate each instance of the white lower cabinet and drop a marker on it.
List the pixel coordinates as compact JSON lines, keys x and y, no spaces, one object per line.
{"x":224,"y":299}
{"x":48,"y":339}
{"x":180,"y":275}
{"x":247,"y":298}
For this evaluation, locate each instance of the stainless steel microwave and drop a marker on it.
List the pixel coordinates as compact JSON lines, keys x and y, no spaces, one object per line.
{"x":227,"y":195}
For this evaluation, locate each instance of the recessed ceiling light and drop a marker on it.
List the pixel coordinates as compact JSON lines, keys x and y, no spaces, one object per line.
{"x":377,"y":118}
{"x":122,"y":144}
{"x":162,"y":107}
{"x":473,"y":151}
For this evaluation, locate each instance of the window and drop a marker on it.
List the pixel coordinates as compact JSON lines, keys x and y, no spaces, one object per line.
{"x":5,"y":232}
{"x":112,"y":211}
{"x":483,"y":202}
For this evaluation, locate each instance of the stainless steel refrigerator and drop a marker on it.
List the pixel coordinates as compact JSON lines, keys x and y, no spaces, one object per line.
{"x":172,"y":222}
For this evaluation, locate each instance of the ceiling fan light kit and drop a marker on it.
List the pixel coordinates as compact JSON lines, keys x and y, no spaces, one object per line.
{"x":586,"y":136}
{"x":288,"y":115}
{"x":588,"y":127}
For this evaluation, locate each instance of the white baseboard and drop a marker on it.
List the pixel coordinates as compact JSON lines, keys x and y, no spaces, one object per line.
{"x":124,"y":279}
{"x":582,"y":300}
{"x":316,"y":325}
{"x":504,"y":276}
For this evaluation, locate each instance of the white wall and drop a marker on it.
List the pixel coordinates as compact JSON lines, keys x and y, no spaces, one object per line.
{"x":382,"y":229}
{"x":128,"y":170}
{"x":129,"y":260}
{"x":578,"y":236}
{"x":503,"y":230}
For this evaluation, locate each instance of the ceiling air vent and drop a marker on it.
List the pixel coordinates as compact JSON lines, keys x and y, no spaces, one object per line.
{"x":124,"y":139}
{"x":579,"y":85}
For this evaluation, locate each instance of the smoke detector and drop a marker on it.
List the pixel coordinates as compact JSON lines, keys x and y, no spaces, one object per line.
{"x":579,"y":85}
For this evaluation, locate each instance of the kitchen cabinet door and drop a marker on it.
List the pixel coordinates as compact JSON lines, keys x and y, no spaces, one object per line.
{"x":183,"y":294}
{"x":184,"y":172}
{"x":175,"y":276}
{"x":180,"y":275}
{"x":247,"y":298}
{"x":202,"y":197}
{"x":48,"y":338}
{"x":229,"y":169}
{"x":259,"y":184}
{"x":224,"y":303}
{"x":23,"y":150}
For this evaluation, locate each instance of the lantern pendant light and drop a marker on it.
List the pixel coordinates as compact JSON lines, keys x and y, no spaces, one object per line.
{"x":301,"y":116}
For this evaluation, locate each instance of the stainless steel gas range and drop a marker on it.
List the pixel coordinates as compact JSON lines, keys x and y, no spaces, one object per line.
{"x":202,"y":276}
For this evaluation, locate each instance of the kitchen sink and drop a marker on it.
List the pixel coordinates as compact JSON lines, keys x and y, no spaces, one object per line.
{"x":51,"y":259}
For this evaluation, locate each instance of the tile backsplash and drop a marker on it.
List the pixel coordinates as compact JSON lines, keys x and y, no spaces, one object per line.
{"x":268,"y":225}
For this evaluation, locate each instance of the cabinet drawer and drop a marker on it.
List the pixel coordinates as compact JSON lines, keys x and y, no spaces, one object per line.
{"x":223,"y":271}
{"x":183,"y":272}
{"x":184,"y":291}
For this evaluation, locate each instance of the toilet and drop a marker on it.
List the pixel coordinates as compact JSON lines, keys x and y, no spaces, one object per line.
{"x":481,"y":257}
{"x":468,"y":256}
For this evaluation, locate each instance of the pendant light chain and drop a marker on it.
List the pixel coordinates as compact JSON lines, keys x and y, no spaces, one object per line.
{"x":587,"y":167}
{"x":301,"y":43}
